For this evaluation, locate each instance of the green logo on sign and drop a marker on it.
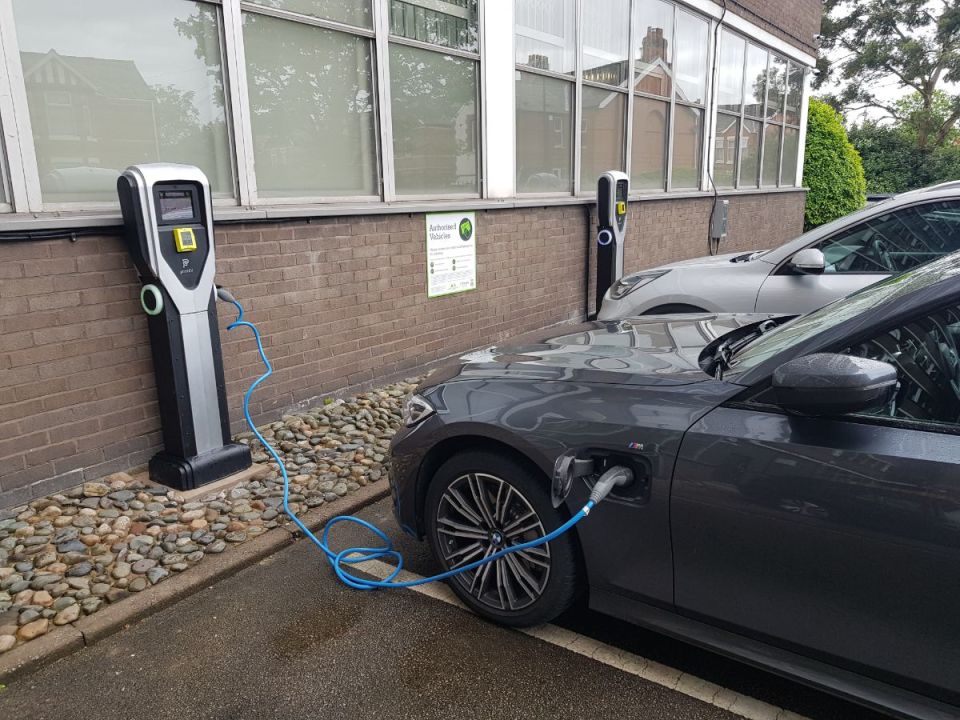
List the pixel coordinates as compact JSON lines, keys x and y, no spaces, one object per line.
{"x":466,"y":229}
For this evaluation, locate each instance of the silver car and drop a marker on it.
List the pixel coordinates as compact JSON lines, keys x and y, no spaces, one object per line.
{"x":818,"y":267}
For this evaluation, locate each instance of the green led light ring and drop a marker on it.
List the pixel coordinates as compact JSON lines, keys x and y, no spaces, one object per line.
{"x":155,"y":295}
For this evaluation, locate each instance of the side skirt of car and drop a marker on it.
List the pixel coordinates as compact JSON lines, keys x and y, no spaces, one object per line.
{"x":878,"y":696}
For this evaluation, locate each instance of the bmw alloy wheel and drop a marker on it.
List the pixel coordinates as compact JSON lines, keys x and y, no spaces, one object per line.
{"x":480,"y":514}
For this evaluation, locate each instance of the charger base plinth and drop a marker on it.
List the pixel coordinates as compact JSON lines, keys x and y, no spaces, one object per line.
{"x":188,"y":473}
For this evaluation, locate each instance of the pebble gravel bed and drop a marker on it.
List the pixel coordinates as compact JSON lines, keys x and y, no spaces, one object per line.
{"x":68,"y":555}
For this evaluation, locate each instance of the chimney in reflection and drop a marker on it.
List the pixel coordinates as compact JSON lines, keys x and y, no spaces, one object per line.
{"x":654,"y":45}
{"x":541,"y":62}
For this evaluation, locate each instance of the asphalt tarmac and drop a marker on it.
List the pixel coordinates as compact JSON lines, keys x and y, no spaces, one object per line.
{"x":283,"y":639}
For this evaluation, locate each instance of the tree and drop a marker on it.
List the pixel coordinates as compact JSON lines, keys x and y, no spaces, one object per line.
{"x":915,"y":116}
{"x":915,"y":43}
{"x":832,"y":168}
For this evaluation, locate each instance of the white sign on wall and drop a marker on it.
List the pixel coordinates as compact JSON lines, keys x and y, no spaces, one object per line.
{"x":451,"y":253}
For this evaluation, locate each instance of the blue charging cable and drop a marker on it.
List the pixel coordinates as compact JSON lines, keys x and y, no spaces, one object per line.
{"x":352,"y":555}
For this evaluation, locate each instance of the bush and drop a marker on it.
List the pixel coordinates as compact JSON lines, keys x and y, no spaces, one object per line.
{"x":832,"y":168}
{"x":893,"y":164}
{"x":890,"y":161}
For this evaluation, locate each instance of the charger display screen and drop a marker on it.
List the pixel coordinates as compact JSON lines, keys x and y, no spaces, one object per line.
{"x":175,"y":206}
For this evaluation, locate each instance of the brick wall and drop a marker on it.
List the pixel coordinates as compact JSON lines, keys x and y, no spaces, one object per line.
{"x":796,"y":22}
{"x":340,"y":301}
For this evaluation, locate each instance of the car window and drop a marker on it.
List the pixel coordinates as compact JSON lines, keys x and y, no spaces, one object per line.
{"x":895,"y":242}
{"x":803,"y":328}
{"x":926,"y":353}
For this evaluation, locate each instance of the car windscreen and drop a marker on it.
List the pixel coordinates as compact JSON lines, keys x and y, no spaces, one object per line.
{"x":806,"y":326}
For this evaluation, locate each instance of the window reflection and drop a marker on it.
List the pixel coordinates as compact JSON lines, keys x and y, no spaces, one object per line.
{"x":791,"y":150}
{"x":654,"y":69}
{"x":725,"y":150}
{"x":307,"y":85}
{"x":771,"y":154}
{"x":105,"y":93}
{"x":730,"y":73}
{"x":648,"y":166}
{"x":435,"y":123}
{"x":605,"y":42}
{"x":756,"y":80}
{"x":794,"y":95}
{"x":602,"y":137}
{"x":351,"y":12}
{"x":686,"y":147}
{"x":692,"y":44}
{"x":776,"y":85}
{"x":450,"y":23}
{"x":544,"y":134}
{"x":750,"y":153}
{"x":545,"y":37}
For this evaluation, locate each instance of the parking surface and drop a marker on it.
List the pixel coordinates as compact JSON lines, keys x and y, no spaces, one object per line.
{"x":283,"y":638}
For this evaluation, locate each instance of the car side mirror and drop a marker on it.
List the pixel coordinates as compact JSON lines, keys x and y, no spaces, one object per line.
{"x":832,"y":384}
{"x":808,"y":261}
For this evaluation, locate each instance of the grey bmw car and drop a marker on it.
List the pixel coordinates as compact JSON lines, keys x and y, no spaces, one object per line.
{"x":795,"y":492}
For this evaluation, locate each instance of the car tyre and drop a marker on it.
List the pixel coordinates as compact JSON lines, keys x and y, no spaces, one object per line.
{"x":521,"y":591}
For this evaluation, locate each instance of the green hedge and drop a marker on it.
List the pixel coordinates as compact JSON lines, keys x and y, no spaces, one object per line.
{"x":832,"y":168}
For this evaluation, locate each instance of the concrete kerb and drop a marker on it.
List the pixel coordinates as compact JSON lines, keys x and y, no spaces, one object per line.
{"x":67,"y":639}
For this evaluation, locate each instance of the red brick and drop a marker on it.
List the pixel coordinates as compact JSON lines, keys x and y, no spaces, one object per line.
{"x":40,"y":454}
{"x":53,"y":301}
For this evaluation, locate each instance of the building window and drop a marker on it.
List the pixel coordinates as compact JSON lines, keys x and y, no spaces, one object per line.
{"x":665,"y":72}
{"x":306,"y":86}
{"x":434,"y":97}
{"x":4,"y":192}
{"x":693,"y":40}
{"x":764,"y":109}
{"x":449,"y":23}
{"x":350,"y":100}
{"x":652,"y":87}
{"x":544,"y":132}
{"x":687,"y":133}
{"x":603,"y":128}
{"x":603,"y":100}
{"x":730,"y":61}
{"x":546,"y":66}
{"x":648,"y":152}
{"x":350,"y":12}
{"x":545,"y":35}
{"x":109,"y":94}
{"x":670,"y":96}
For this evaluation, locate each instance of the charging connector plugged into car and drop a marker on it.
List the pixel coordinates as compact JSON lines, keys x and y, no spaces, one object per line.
{"x":593,"y":466}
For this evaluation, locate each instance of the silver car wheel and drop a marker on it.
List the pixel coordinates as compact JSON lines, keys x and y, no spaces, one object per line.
{"x":480,"y":514}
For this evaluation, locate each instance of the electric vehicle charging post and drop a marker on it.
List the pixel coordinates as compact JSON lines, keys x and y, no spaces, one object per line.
{"x":612,"y":190}
{"x":168,"y":227}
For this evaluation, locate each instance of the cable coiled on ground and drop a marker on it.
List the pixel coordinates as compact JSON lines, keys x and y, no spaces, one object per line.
{"x":340,"y":560}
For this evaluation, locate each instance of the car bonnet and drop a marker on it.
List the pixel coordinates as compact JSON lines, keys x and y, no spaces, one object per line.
{"x":656,"y":350}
